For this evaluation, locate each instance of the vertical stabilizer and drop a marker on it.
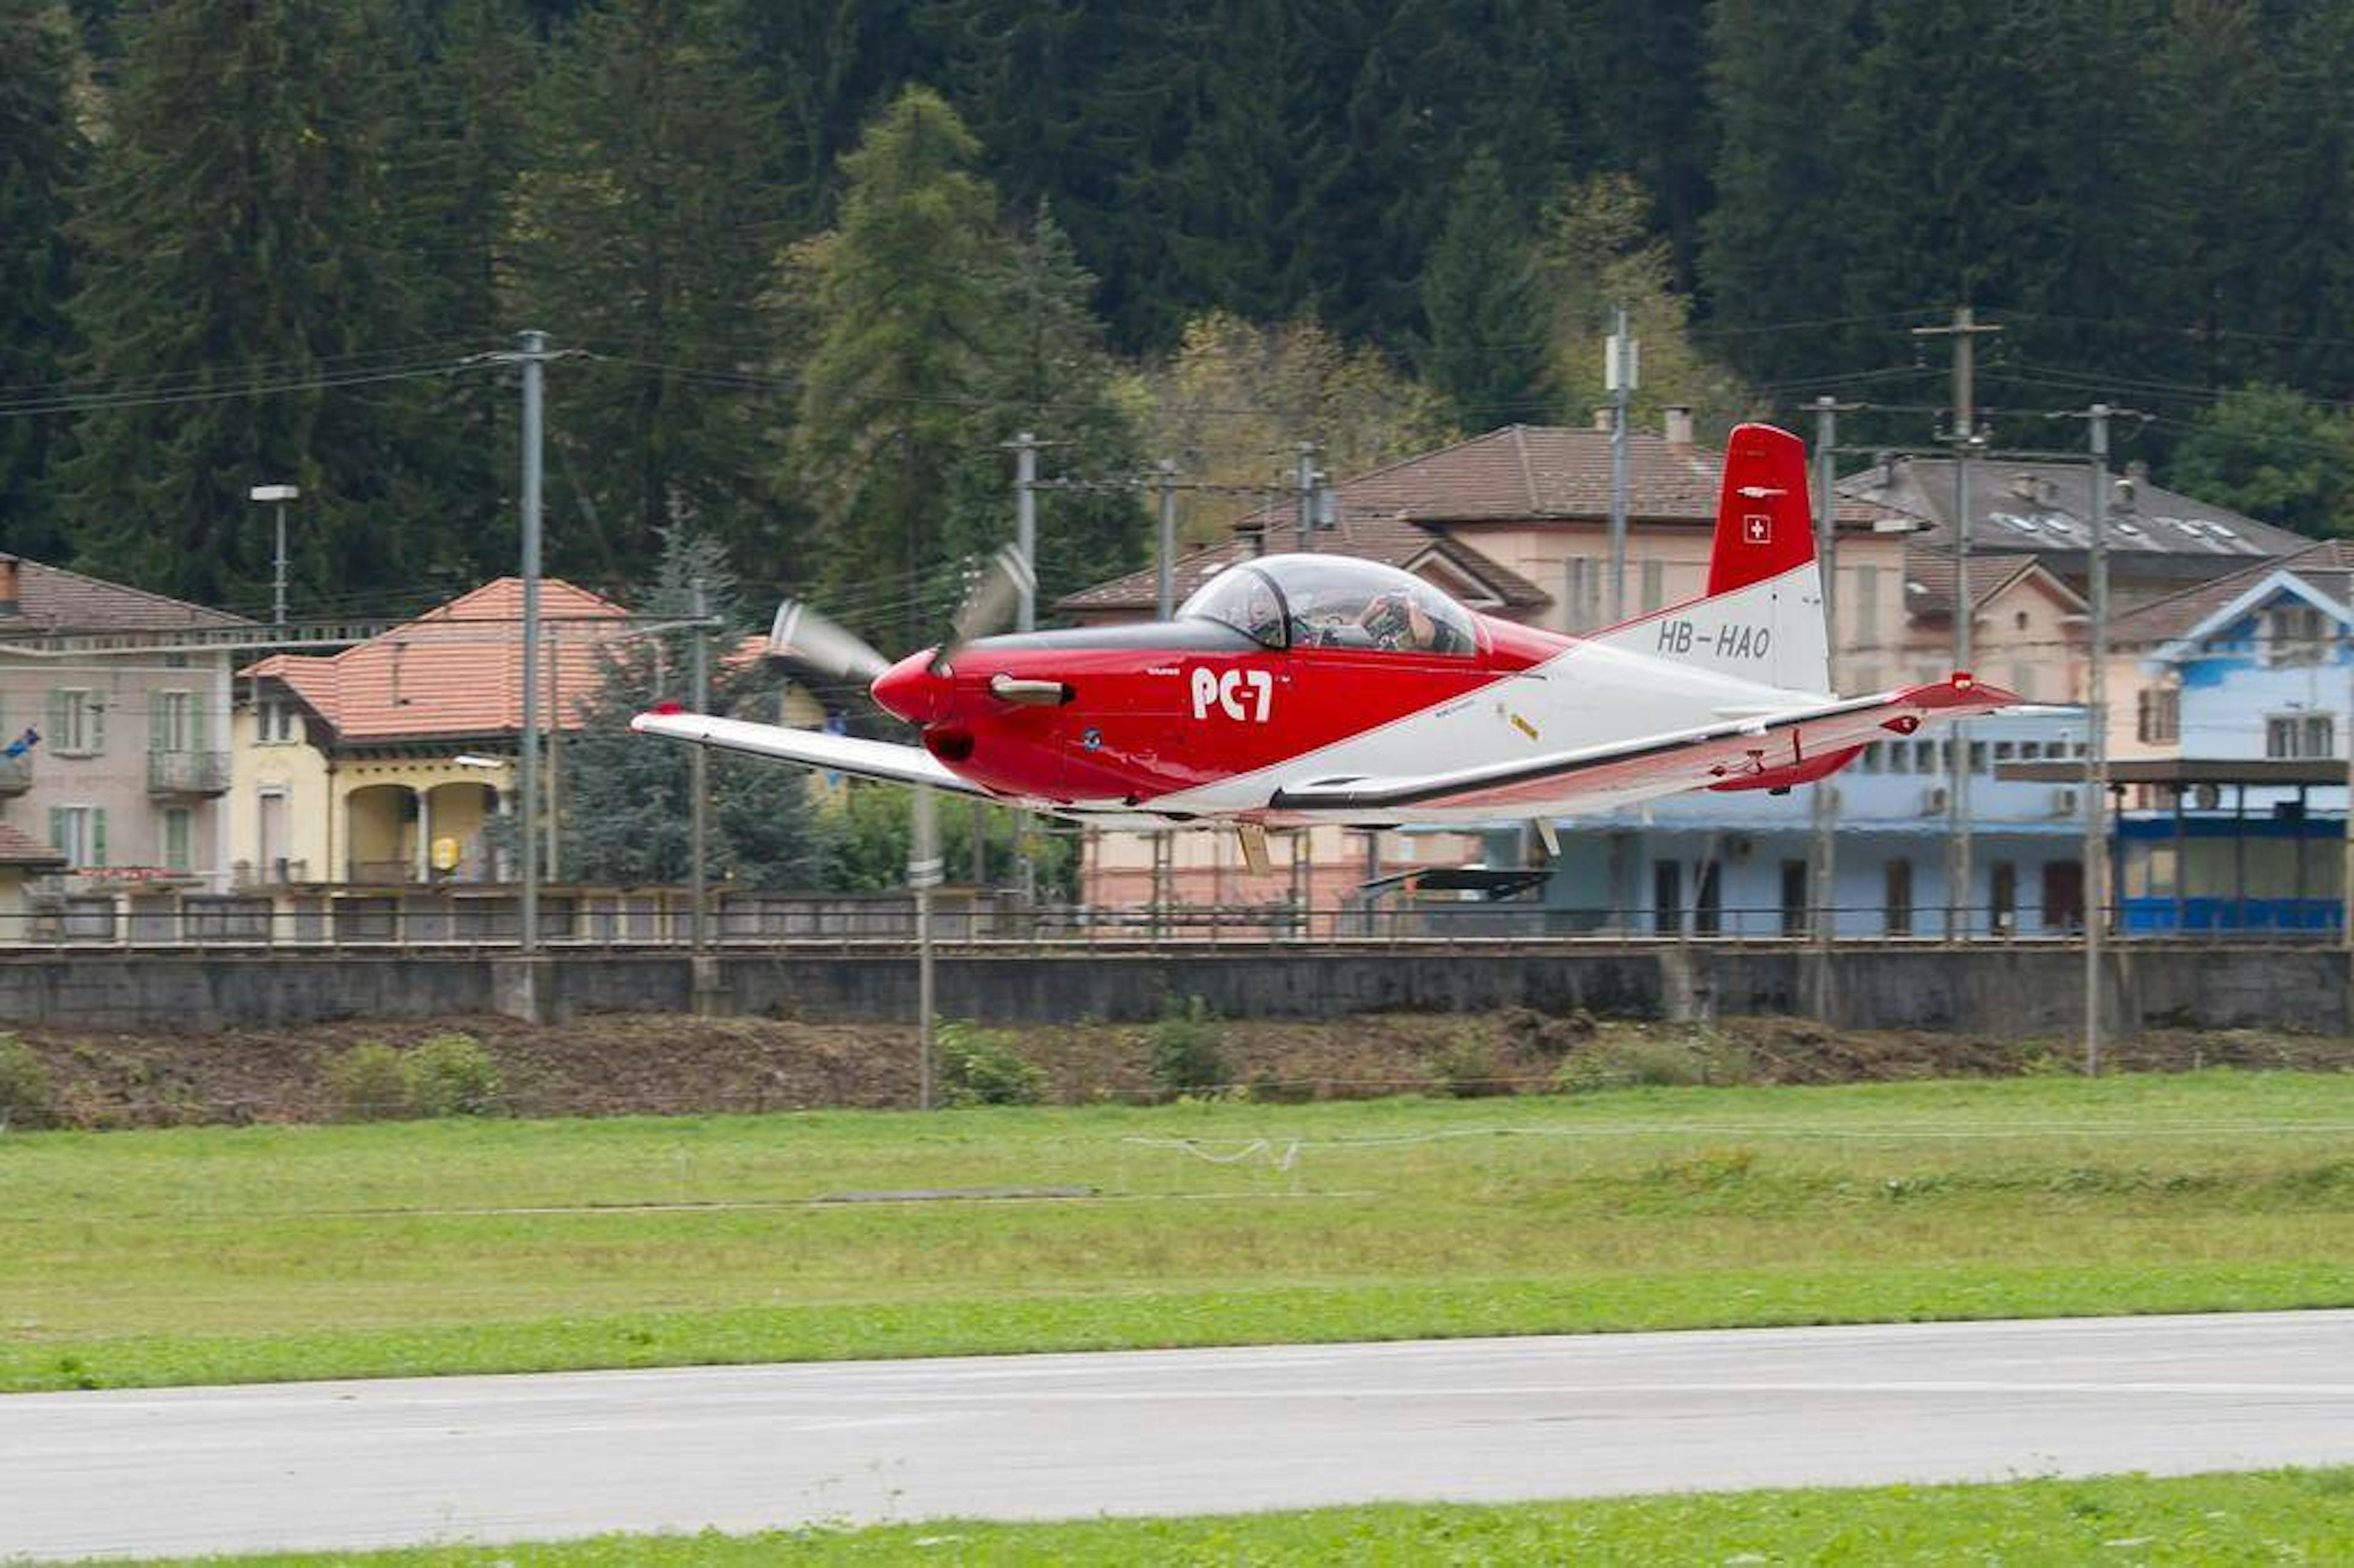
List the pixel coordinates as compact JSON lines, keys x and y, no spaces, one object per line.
{"x":1761,"y":617}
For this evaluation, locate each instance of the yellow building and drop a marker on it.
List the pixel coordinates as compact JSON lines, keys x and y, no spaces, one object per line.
{"x":385,"y":763}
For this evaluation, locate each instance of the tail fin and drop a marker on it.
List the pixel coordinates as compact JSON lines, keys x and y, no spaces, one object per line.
{"x":1761,"y":616}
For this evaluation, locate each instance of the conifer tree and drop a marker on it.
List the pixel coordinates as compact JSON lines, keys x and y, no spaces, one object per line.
{"x":42,"y":154}
{"x":1486,"y":345}
{"x":645,"y":235}
{"x":904,"y":304}
{"x":627,"y":804}
{"x":244,"y":248}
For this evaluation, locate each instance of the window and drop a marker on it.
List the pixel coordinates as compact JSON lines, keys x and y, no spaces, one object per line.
{"x":1655,"y":585}
{"x":1897,"y":901}
{"x":2295,"y":634}
{"x":179,"y":838}
{"x":1667,"y":896}
{"x":2300,"y":736}
{"x":175,"y":722}
{"x":80,"y":834}
{"x":1793,"y":898}
{"x":276,"y":723}
{"x":1581,"y":593}
{"x":77,"y":722}
{"x":1867,"y":606}
{"x":2158,"y":718}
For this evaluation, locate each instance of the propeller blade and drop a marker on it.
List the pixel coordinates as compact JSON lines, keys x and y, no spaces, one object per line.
{"x":991,"y":600}
{"x":805,"y":637}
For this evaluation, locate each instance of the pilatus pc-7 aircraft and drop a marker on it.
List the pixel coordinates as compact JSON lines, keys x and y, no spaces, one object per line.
{"x":1309,"y":688}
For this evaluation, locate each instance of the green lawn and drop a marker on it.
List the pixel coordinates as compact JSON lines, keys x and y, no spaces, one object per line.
{"x":226,"y":1255}
{"x":2274,"y":1517}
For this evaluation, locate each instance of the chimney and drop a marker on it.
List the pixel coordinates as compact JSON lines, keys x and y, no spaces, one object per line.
{"x":11,"y":606}
{"x":1677,"y":420}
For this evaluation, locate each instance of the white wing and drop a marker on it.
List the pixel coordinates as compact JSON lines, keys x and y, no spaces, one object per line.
{"x":814,"y":748}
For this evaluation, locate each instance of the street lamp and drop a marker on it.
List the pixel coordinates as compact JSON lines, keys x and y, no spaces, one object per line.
{"x":282,"y":494}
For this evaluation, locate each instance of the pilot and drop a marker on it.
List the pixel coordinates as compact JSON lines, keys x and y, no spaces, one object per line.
{"x":1400,"y":621}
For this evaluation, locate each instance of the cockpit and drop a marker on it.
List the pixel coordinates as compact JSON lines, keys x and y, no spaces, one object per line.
{"x":1333,"y":601}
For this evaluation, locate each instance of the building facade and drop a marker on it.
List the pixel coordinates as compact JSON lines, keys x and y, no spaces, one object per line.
{"x":116,"y":703}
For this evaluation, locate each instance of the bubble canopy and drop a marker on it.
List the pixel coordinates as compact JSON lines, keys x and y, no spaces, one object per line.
{"x":1333,"y":601}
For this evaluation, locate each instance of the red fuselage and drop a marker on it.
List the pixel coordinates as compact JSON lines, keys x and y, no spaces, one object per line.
{"x":1154,"y":709}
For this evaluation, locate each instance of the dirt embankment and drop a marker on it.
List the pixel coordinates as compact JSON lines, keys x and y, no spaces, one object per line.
{"x":620,"y":1064}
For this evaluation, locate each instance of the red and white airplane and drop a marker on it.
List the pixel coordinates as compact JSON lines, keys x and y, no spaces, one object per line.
{"x":1304,"y":688}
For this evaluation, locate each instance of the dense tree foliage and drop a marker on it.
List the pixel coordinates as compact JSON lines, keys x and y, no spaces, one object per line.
{"x":825,"y":257}
{"x":42,"y":154}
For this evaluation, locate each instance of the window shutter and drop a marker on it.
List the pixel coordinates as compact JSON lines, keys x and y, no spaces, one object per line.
{"x":98,"y":835}
{"x":159,"y":720}
{"x":197,"y":728}
{"x":94,"y":716}
{"x":56,"y":827}
{"x":57,"y":730}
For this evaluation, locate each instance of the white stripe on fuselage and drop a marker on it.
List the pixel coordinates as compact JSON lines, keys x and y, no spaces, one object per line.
{"x":1593,"y":693}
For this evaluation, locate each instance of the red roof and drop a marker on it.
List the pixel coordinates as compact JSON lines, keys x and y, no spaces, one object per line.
{"x":17,"y":849}
{"x":458,"y":669}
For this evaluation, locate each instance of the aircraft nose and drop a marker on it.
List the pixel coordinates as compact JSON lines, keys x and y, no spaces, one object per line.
{"x":909,"y":690}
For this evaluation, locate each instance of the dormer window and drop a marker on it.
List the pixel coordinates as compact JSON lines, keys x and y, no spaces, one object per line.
{"x":2295,"y":634}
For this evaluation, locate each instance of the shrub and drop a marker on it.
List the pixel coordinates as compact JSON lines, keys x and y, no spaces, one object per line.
{"x":367,"y":1084}
{"x":1465,"y":1064}
{"x":28,"y":1096}
{"x":980,"y":1067}
{"x":1188,"y":1048}
{"x":452,"y":1074}
{"x":1698,"y":1057}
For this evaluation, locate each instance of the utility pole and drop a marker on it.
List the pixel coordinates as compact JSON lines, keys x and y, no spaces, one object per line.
{"x":1306,"y":482}
{"x":1165,"y":573}
{"x":923,"y":875}
{"x":1025,"y":526}
{"x":698,"y":775}
{"x":533,"y":359}
{"x":1825,"y":867}
{"x":2097,"y":740}
{"x":1622,"y":369}
{"x":1965,"y":330}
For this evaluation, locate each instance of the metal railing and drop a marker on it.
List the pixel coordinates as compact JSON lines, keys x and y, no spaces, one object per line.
{"x":187,"y":772}
{"x":416,"y":917}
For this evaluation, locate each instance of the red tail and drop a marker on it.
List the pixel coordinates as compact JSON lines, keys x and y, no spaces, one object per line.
{"x":1764,"y":526}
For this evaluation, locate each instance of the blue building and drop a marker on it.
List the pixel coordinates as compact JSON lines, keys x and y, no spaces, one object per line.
{"x":1740,"y":864}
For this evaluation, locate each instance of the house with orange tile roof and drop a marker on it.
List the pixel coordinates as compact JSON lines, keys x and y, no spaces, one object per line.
{"x":387,"y":762}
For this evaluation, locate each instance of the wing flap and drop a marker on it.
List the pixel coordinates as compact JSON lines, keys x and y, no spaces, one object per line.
{"x":1709,"y":755}
{"x":814,"y":748}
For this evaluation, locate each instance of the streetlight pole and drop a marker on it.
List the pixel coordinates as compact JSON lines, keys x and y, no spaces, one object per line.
{"x":282,"y":494}
{"x":2097,"y":742}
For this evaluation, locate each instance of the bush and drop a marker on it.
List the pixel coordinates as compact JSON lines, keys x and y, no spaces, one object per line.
{"x":452,"y":1074}
{"x":367,"y":1084}
{"x":1698,"y":1057}
{"x":980,"y":1067}
{"x":1188,"y":1048}
{"x":1466,"y":1065}
{"x":28,"y":1096}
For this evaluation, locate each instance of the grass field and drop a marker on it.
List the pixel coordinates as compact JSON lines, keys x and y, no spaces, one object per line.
{"x":2274,"y":1517}
{"x":222,"y":1254}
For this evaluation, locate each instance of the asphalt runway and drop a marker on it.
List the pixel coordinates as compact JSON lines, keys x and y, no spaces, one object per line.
{"x":741,"y":1448}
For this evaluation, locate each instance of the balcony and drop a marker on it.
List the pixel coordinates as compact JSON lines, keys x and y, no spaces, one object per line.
{"x":187,"y":772}
{"x":16,"y":775}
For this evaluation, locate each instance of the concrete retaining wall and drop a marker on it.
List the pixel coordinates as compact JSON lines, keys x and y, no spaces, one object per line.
{"x":2008,"y":992}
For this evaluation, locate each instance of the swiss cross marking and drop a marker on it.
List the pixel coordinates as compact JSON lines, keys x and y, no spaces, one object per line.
{"x":1758,"y":527}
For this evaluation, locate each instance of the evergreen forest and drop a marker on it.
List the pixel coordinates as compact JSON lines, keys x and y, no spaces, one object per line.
{"x":807,"y":266}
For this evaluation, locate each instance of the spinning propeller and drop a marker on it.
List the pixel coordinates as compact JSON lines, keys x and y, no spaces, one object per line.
{"x":916,"y":688}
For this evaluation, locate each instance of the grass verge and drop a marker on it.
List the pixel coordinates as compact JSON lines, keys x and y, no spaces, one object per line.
{"x":2268,"y":1517}
{"x":240,"y":1255}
